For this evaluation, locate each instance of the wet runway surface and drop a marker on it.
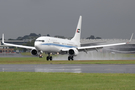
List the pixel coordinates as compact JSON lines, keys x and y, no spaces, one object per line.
{"x":73,"y":68}
{"x":81,"y":56}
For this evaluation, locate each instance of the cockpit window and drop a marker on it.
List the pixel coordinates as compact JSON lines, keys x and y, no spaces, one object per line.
{"x":40,"y":41}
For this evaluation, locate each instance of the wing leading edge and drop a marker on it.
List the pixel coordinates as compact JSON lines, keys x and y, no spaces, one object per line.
{"x":14,"y":45}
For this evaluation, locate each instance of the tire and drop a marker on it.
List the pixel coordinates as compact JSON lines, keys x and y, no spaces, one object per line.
{"x":47,"y":58}
{"x":50,"y":58}
{"x":69,"y":58}
{"x":72,"y":58}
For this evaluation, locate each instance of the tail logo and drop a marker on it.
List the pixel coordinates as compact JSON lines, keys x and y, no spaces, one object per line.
{"x":78,"y":30}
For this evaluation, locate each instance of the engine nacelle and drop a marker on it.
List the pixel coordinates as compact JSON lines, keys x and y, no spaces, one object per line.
{"x":34,"y":52}
{"x":73,"y":51}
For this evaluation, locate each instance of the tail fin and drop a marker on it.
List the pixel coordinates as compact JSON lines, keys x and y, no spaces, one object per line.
{"x":77,"y":35}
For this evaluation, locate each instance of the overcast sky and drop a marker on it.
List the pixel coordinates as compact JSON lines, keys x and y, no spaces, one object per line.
{"x":103,"y":18}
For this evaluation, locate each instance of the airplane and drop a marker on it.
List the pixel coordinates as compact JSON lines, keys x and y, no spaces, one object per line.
{"x":50,"y":45}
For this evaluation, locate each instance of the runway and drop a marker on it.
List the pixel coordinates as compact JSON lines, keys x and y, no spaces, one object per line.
{"x":73,"y":68}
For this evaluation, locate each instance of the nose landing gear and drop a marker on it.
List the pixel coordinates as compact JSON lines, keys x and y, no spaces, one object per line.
{"x":40,"y":56}
{"x":49,"y":57}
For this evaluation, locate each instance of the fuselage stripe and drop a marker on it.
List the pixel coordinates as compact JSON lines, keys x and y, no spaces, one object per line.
{"x":67,"y":46}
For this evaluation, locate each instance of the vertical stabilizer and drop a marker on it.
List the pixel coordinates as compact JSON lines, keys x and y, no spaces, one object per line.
{"x":77,"y":35}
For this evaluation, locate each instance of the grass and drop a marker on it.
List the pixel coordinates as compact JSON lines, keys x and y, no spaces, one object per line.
{"x":36,"y":60}
{"x":65,"y":81}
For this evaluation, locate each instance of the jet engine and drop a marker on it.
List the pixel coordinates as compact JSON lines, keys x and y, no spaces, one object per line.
{"x":73,"y":52}
{"x":34,"y":52}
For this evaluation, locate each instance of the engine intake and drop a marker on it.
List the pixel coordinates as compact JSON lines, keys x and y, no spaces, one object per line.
{"x":73,"y":51}
{"x":34,"y":52}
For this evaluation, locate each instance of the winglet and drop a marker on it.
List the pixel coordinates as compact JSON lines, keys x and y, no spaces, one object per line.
{"x":3,"y":38}
{"x":131,"y":38}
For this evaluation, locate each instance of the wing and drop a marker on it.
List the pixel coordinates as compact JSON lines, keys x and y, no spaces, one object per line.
{"x":20,"y":46}
{"x":85,"y":48}
{"x":14,"y":45}
{"x":98,"y":46}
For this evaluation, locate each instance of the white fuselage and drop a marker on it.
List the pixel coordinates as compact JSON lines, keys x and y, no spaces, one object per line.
{"x":52,"y":44}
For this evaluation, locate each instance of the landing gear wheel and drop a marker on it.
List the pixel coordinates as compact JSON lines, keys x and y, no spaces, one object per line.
{"x":49,"y":58}
{"x":70,"y":58}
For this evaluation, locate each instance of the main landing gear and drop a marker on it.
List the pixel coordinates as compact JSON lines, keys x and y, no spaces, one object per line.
{"x":70,"y":58}
{"x":49,"y":57}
